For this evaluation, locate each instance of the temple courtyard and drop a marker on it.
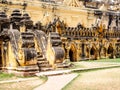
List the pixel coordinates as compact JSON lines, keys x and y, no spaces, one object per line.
{"x":84,"y":75}
{"x":108,"y":79}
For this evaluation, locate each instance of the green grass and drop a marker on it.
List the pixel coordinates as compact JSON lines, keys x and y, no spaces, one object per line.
{"x":106,"y":60}
{"x":68,"y":86}
{"x":44,"y":78}
{"x":77,"y":65}
{"x":101,"y":62}
{"x":96,"y":69}
{"x":5,"y":76}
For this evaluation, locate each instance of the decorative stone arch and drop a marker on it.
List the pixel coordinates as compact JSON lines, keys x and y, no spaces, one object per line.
{"x":80,"y":32}
{"x":110,"y":51}
{"x":67,"y":32}
{"x":103,"y":52}
{"x":75,"y":32}
{"x":117,"y":51}
{"x":70,"y":32}
{"x":94,"y":52}
{"x":83,"y":33}
{"x":93,"y":33}
{"x":73,"y":52}
{"x":89,"y":33}
{"x":86,"y":33}
{"x":83,"y":49}
{"x":87,"y":52}
{"x":110,"y":48}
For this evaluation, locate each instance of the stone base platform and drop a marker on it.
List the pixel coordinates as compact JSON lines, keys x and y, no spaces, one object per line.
{"x":23,"y":70}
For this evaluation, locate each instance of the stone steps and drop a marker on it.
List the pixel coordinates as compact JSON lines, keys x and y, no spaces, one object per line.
{"x":43,"y":64}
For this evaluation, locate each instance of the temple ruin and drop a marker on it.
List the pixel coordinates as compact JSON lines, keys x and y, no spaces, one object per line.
{"x":43,"y":35}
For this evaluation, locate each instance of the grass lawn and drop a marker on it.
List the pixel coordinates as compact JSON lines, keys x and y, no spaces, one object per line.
{"x":95,"y":63}
{"x":5,"y":76}
{"x":108,"y":79}
{"x":106,"y":60}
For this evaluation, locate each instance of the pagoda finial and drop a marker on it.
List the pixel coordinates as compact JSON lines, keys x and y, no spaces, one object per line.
{"x":74,"y":3}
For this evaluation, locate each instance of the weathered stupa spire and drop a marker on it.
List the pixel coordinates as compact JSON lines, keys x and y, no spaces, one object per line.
{"x":74,"y":3}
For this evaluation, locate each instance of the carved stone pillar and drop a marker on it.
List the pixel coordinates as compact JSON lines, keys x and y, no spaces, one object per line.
{"x":97,"y":57}
{"x":83,"y":50}
{"x":68,"y":53}
{"x":67,"y":47}
{"x":88,"y":51}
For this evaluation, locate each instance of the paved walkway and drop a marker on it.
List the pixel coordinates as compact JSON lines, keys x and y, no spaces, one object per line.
{"x":58,"y":79}
{"x":56,"y":82}
{"x":63,"y":77}
{"x":85,"y":66}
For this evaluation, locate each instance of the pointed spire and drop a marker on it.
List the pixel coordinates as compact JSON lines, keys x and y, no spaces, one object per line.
{"x":74,"y":3}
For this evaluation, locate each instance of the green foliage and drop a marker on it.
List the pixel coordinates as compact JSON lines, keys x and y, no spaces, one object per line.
{"x":5,"y":76}
{"x":44,"y":78}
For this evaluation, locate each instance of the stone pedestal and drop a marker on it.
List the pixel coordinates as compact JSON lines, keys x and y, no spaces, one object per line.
{"x":24,"y":70}
{"x":27,"y":70}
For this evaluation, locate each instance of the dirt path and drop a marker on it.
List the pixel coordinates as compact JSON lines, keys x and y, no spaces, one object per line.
{"x":56,"y":82}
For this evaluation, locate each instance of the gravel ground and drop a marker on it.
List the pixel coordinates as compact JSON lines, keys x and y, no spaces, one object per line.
{"x":22,"y":85}
{"x":108,"y":79}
